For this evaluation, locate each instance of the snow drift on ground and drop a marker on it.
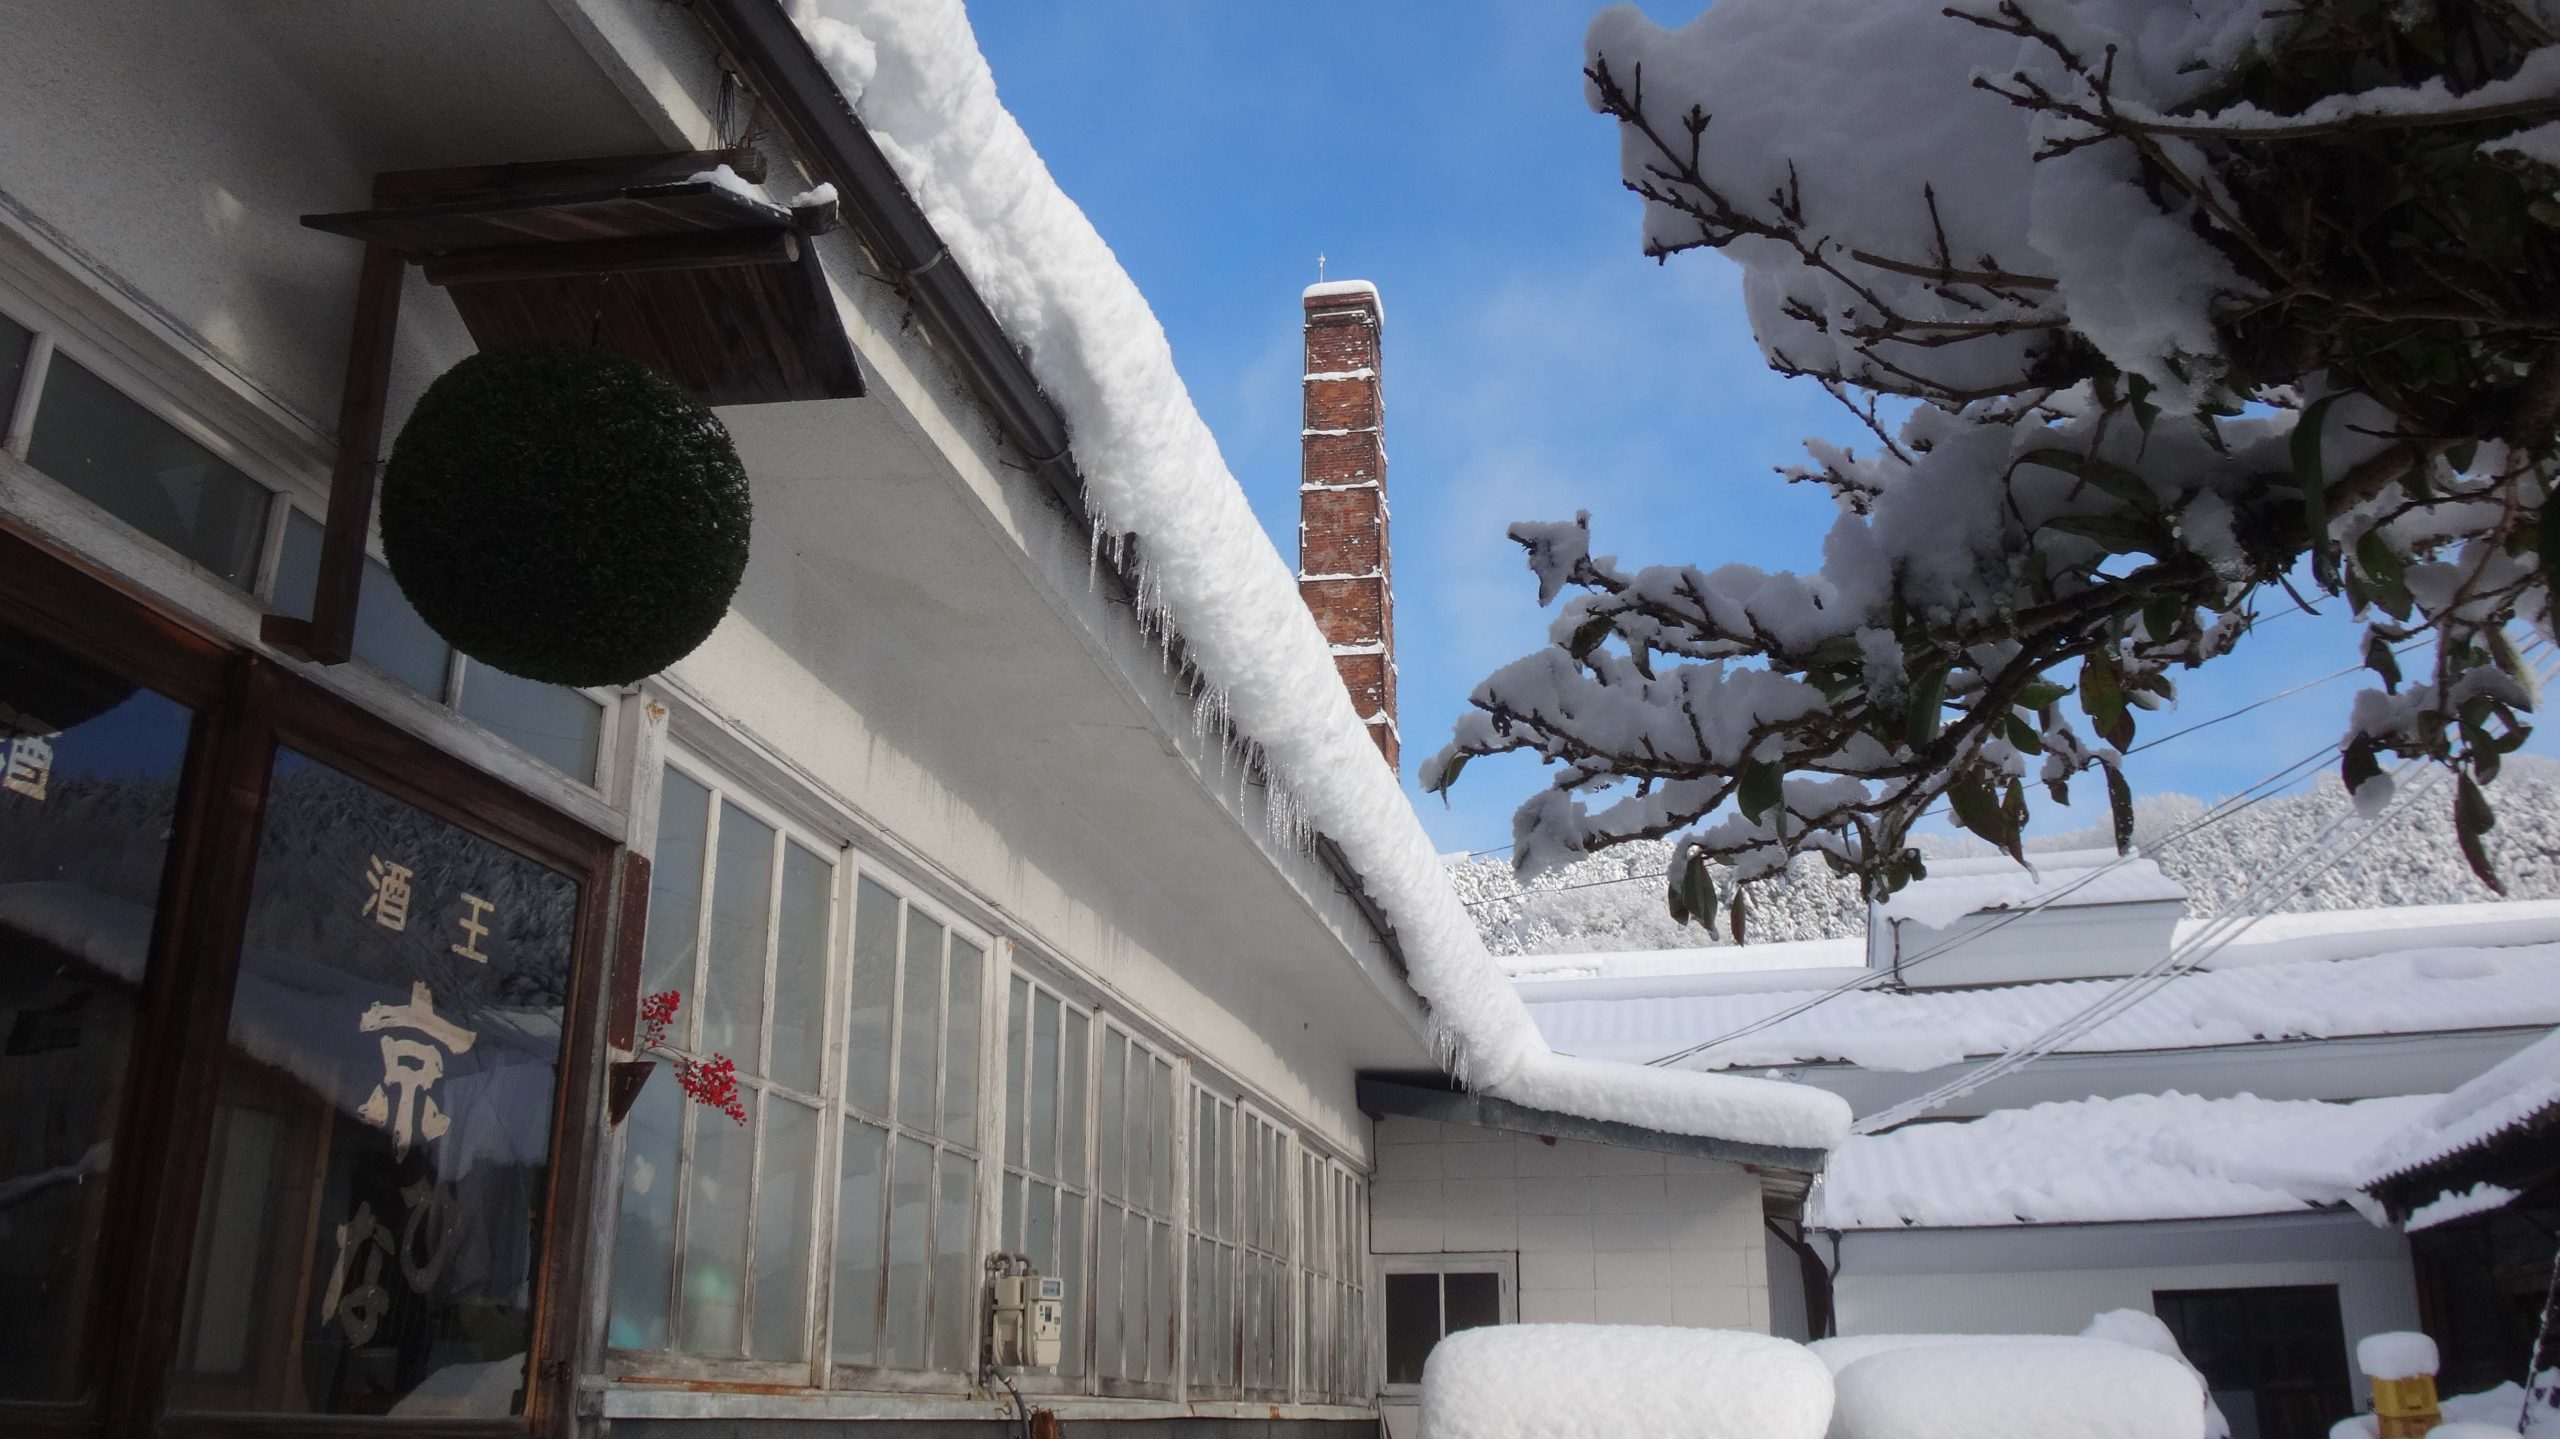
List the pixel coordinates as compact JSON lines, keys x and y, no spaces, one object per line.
{"x":2017,"y":1387}
{"x":2135,"y":1157}
{"x":1612,"y":901}
{"x":1622,"y":1381}
{"x":1152,"y":472}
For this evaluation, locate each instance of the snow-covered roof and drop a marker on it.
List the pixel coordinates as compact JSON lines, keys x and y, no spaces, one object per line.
{"x":1753,"y":964}
{"x":2064,"y":879}
{"x":2473,"y":969}
{"x":2135,"y":1157}
{"x":1152,"y":470}
{"x":2523,"y":1087}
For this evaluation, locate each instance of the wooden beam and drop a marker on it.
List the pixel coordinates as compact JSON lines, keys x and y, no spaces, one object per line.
{"x":328,"y":637}
{"x":567,"y":259}
{"x":537,"y":180}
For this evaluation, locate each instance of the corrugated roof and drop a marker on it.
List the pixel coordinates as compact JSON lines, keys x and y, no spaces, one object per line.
{"x":2417,"y":990}
{"x":2510,"y":1095}
{"x":2061,"y":880}
{"x":2136,"y":1157}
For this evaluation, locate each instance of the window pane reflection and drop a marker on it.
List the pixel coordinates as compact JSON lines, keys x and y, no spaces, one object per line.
{"x":88,"y":791}
{"x":386,"y":1099}
{"x":140,"y":469}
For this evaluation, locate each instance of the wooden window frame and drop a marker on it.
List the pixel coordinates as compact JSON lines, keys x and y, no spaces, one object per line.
{"x":247,"y":707}
{"x":1084,"y":1184}
{"x":1174,"y":1216}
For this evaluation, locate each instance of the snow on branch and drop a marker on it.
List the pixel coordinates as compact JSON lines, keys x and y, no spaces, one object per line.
{"x":2193,"y":301}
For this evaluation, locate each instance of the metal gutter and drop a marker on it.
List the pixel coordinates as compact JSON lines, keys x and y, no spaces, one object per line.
{"x":1381,"y":1095}
{"x":814,"y":116}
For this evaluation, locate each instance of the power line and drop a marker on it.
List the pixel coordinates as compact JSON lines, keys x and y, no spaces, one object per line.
{"x":2230,"y":806}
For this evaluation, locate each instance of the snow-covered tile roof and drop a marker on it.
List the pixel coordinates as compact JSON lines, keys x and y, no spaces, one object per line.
{"x":2410,"y":991}
{"x":1152,"y":471}
{"x":2510,"y":1093}
{"x":2065,"y":879}
{"x":2135,"y":1157}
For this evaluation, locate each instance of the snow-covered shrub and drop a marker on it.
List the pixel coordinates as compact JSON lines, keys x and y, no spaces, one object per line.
{"x":1621,"y":1381}
{"x":2180,"y":301}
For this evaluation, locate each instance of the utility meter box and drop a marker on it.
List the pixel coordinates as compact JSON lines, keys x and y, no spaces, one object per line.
{"x":1029,"y":1320}
{"x":1048,"y":1321}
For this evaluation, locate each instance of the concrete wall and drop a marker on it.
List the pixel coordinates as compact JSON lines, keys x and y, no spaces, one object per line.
{"x":2052,"y":1280}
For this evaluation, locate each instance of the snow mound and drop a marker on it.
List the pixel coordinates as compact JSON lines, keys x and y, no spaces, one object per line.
{"x":1614,"y":1381}
{"x":1153,"y":473}
{"x":2009,"y":1387}
{"x":2143,"y":1330}
{"x":2398,"y":1355}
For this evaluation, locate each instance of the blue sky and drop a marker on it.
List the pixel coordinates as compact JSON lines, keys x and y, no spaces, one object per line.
{"x":1536,"y":363}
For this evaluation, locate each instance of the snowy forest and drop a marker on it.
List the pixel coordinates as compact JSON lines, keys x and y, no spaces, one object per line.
{"x":1613,"y":901}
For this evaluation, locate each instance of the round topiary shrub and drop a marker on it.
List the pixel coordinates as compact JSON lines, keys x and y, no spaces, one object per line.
{"x":566,"y":515}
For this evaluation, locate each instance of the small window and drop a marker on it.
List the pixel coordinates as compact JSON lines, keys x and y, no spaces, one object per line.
{"x":1429,"y":1297}
{"x":2275,"y":1357}
{"x":556,"y":725}
{"x":140,"y":469}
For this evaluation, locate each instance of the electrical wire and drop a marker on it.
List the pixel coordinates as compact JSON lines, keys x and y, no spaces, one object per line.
{"x":2227,"y":808}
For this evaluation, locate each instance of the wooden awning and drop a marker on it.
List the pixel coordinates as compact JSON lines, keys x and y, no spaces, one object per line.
{"x":655,"y":257}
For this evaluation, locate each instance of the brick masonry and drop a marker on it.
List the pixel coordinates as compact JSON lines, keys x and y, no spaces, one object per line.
{"x":1345,"y":573}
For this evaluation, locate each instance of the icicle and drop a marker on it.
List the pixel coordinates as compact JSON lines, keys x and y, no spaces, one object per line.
{"x":1093,"y":557}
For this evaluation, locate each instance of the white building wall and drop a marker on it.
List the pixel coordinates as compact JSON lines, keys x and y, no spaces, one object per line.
{"x":1607,"y":1235}
{"x":2052,"y":1280}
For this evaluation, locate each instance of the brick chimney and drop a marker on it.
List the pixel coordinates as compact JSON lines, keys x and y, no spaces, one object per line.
{"x":1343,"y":573}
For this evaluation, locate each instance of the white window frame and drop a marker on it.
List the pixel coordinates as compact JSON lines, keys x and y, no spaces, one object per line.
{"x":1333,"y":1280}
{"x":677,"y":1362}
{"x":981,"y":1148}
{"x":1081,"y":1181}
{"x":1171,"y":1283}
{"x":1504,"y":1264}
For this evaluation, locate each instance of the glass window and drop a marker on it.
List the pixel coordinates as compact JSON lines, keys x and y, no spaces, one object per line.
{"x":390,"y":635}
{"x":140,"y":469}
{"x":368,"y":1238}
{"x":554,"y":724}
{"x":750,"y":967}
{"x":557,"y":725}
{"x":1333,"y":1286}
{"x":1427,"y":1299}
{"x":1047,"y":1187}
{"x":1215,"y":1345}
{"x":1133,"y":1239}
{"x":906,"y":1276}
{"x":89,"y":770}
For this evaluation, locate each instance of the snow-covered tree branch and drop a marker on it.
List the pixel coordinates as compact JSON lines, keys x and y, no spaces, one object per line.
{"x":2180,"y":299}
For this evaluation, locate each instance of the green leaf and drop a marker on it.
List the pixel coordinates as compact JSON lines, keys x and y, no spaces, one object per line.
{"x":1448,"y":775}
{"x":1762,"y":788}
{"x":1928,"y":697}
{"x":1693,"y":894}
{"x":1978,"y":809}
{"x":2138,"y":392}
{"x":2161,"y":615}
{"x":2107,"y":475}
{"x":2102,"y":699}
{"x":2359,"y":764}
{"x":2036,"y":694}
{"x":2379,"y":659}
{"x":1590,"y":635}
{"x":1736,"y":912}
{"x":2120,"y":806}
{"x":2313,"y":482}
{"x":2473,"y":818}
{"x":2022,"y":735}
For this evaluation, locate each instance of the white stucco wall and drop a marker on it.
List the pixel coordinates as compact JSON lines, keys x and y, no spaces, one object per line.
{"x":1601,"y":1234}
{"x":2052,"y":1280}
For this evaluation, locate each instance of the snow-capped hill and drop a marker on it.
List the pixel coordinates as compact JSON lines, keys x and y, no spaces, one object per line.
{"x":1613,"y":900}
